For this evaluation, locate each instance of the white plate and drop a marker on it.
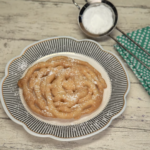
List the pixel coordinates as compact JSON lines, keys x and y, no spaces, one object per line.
{"x":108,"y":64}
{"x":64,"y":122}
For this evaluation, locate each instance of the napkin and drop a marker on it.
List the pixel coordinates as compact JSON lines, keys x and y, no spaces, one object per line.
{"x":142,"y":37}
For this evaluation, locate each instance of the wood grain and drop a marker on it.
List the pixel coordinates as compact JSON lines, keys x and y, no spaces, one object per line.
{"x":24,"y":22}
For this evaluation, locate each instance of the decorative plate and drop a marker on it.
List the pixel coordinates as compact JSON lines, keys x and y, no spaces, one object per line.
{"x":109,"y":65}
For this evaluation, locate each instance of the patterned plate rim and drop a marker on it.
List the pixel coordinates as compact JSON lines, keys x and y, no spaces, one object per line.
{"x":52,"y":136}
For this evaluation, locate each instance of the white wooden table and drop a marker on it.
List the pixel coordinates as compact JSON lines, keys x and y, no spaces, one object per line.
{"x":23,"y":22}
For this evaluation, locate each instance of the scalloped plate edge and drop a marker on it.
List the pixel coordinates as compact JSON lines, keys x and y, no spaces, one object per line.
{"x":51,"y":136}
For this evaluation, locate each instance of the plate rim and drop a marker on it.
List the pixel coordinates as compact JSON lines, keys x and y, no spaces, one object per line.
{"x":52,"y":136}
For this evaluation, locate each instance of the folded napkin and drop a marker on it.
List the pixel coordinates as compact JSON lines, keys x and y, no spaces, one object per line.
{"x":142,"y":37}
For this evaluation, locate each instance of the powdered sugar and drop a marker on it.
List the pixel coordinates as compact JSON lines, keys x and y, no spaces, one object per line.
{"x":72,"y":97}
{"x":21,"y":66}
{"x":49,"y":98}
{"x":56,"y":121}
{"x":47,"y":113}
{"x":98,"y":19}
{"x":50,"y":73}
{"x":75,"y":106}
{"x":95,"y":82}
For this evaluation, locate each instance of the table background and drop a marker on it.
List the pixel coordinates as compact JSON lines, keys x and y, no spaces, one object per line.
{"x":23,"y":22}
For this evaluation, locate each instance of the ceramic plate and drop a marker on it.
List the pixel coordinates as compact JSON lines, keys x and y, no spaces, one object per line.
{"x":107,"y":63}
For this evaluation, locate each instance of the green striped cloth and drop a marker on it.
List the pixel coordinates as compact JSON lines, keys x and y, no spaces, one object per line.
{"x":142,"y":37}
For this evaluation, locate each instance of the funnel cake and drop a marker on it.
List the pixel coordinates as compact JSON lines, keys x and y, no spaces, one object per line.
{"x":62,"y":88}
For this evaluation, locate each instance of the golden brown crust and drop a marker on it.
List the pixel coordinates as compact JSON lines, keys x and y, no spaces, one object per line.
{"x":63,"y":88}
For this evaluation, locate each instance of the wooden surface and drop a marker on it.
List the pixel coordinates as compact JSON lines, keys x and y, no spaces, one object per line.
{"x":23,"y":22}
